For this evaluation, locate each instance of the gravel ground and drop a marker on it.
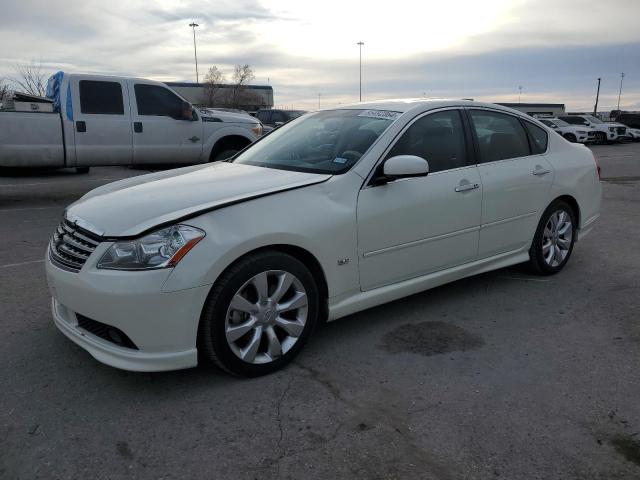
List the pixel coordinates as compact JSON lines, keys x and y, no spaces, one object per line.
{"x":503,"y":375}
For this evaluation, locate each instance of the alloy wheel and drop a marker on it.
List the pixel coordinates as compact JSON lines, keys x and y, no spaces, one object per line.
{"x":266,"y":316}
{"x":557,"y":238}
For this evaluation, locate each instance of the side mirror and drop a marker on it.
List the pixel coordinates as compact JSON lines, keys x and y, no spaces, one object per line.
{"x":405,"y":166}
{"x":402,"y":166}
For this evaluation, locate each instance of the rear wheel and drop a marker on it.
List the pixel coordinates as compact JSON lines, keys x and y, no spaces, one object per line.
{"x":259,"y":314}
{"x":570,"y":137}
{"x":554,"y":239}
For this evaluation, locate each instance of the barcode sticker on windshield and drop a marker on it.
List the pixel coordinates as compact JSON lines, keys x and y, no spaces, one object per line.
{"x":382,"y":114}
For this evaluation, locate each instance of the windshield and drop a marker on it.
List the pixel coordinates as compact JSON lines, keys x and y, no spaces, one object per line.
{"x":561,"y":123}
{"x":324,"y":142}
{"x":593,"y":119}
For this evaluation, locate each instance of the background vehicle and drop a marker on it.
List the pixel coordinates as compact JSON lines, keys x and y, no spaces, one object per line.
{"x":102,"y":120}
{"x":332,"y":213}
{"x":603,"y":131}
{"x":571,"y":132}
{"x":633,"y":134}
{"x":630,"y":119}
{"x":273,"y":117}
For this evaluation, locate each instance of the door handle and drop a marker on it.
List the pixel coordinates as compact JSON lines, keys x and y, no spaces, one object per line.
{"x":137,"y":127}
{"x":81,"y":126}
{"x":541,"y":171}
{"x":463,"y":187}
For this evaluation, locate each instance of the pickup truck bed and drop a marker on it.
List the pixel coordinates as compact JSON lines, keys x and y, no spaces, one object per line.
{"x":28,"y":139}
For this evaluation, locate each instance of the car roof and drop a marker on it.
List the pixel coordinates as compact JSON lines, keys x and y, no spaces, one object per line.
{"x":422,"y":104}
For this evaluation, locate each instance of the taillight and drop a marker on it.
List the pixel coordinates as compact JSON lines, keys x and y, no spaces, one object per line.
{"x":595,"y":159}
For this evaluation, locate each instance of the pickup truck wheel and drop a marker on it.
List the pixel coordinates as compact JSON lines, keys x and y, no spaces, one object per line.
{"x":259,"y":314}
{"x":570,"y":137}
{"x":225,"y":154}
{"x":82,"y":169}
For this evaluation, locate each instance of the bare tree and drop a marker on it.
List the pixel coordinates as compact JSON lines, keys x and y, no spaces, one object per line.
{"x":242,"y":75}
{"x":212,"y":88}
{"x":31,"y":79}
{"x":4,"y":89}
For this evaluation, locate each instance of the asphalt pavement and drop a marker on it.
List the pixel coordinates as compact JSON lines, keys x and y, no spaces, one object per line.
{"x":503,"y":375}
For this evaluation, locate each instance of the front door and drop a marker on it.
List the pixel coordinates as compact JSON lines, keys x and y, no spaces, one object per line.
{"x":102,"y":122}
{"x":160,"y":135}
{"x":415,"y":226}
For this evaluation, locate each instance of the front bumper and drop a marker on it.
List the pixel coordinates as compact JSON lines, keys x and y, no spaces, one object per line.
{"x":162,"y":325}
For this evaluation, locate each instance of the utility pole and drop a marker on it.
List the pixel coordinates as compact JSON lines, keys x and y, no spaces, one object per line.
{"x":360,"y":44}
{"x":595,"y":107}
{"x":519,"y":92}
{"x":193,"y":25}
{"x":620,"y":92}
{"x":318,"y":101}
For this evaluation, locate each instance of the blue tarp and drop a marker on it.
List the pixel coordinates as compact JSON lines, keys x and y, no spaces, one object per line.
{"x":53,"y":92}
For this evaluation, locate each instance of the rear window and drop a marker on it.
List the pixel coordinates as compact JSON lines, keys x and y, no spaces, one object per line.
{"x":101,"y":98}
{"x":538,"y":137}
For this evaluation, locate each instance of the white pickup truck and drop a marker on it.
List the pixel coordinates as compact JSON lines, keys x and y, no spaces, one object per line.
{"x":103,"y":120}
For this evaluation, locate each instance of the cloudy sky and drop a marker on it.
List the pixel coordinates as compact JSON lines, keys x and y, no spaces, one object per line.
{"x":554,"y":49}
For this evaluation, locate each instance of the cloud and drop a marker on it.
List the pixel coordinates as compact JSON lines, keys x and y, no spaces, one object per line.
{"x":555,"y":49}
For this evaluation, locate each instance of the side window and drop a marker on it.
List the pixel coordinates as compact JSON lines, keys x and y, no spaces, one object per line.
{"x":500,"y":136}
{"x":574,"y":120}
{"x":278,"y":117}
{"x":101,"y":98}
{"x":438,"y":138}
{"x":264,"y":116}
{"x":538,"y":136}
{"x":158,"y":101}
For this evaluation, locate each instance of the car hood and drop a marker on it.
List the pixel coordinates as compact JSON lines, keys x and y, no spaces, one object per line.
{"x":132,"y":206}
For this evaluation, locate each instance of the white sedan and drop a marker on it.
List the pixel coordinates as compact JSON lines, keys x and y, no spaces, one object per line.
{"x":333,"y":213}
{"x":572,"y":133}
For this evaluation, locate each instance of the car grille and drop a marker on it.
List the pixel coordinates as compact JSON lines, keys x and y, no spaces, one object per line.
{"x":71,"y":246}
{"x":622,"y":130}
{"x":106,"y":332}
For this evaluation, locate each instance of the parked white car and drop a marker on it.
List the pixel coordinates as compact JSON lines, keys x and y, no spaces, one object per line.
{"x":103,"y":120}
{"x":335,"y":212}
{"x":603,"y":131}
{"x":570,"y":132}
{"x":633,"y":134}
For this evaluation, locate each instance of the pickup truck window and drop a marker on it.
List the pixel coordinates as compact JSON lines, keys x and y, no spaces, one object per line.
{"x":101,"y":98}
{"x":158,"y":101}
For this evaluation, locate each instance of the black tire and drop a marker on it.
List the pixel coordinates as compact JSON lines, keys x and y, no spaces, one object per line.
{"x":212,"y":341}
{"x":537,"y":260}
{"x":225,"y":154}
{"x":82,"y":170}
{"x":601,"y":138}
{"x":571,"y":137}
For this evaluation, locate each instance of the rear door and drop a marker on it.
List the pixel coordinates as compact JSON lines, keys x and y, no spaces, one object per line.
{"x":102,"y":124}
{"x":160,"y":135}
{"x":516,"y":179}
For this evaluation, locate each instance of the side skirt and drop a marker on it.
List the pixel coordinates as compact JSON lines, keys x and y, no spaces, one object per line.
{"x":350,"y":303}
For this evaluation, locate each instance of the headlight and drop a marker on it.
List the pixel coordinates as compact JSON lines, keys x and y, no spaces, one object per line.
{"x":581,"y":132}
{"x":160,"y":249}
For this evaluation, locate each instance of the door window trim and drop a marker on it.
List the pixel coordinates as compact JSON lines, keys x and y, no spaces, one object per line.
{"x":469,"y":153}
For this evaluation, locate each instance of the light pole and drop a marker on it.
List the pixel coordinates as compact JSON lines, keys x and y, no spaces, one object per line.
{"x":360,"y":44}
{"x":318,"y":101}
{"x":193,"y":25}
{"x":595,"y":107}
{"x":620,"y":92}
{"x":519,"y":92}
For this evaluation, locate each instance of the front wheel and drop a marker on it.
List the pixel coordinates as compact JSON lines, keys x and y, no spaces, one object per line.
{"x":259,"y":314}
{"x":571,"y":137}
{"x":553,"y":242}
